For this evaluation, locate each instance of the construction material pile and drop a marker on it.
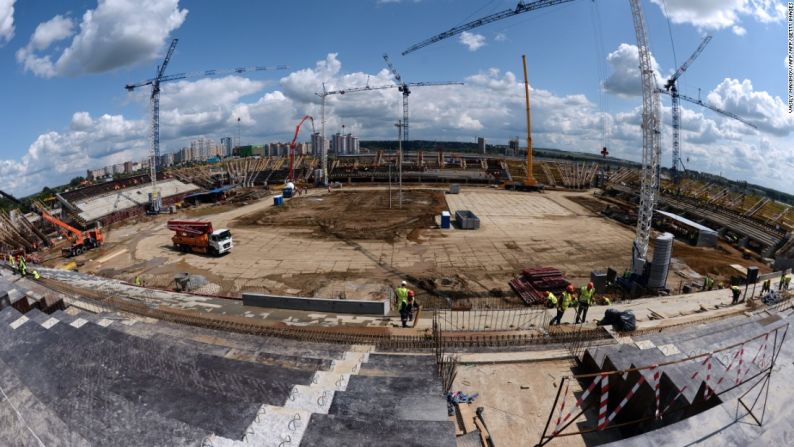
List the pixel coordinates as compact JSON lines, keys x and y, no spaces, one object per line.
{"x":532,"y":282}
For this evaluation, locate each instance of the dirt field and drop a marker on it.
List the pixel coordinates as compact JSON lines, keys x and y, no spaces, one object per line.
{"x":348,"y":243}
{"x":354,"y":214}
{"x":715,"y":262}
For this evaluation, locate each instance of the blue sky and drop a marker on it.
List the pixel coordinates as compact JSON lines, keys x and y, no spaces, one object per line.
{"x":64,"y":65}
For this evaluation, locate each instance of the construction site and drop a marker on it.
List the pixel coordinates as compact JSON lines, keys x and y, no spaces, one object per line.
{"x":264,"y":300}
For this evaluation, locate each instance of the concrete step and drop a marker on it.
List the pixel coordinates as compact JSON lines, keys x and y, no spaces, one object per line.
{"x":331,"y":430}
{"x":401,"y":406}
{"x":30,"y":421}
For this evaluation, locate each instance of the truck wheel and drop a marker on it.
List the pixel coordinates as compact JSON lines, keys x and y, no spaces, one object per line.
{"x":212,"y":251}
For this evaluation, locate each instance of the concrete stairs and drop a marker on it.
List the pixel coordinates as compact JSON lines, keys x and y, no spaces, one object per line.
{"x":682,"y":385}
{"x":77,"y":378}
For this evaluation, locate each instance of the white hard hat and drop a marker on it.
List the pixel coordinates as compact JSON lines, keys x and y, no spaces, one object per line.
{"x":403,"y":283}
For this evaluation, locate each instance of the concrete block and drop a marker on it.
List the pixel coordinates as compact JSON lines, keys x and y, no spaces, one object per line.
{"x":317,"y":304}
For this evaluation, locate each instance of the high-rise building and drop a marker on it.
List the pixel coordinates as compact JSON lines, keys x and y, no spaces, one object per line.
{"x":512,"y":146}
{"x":200,"y":148}
{"x":481,"y":144}
{"x":344,"y":144}
{"x":225,"y":149}
{"x":317,"y":144}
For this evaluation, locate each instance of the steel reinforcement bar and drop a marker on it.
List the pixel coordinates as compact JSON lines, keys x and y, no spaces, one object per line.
{"x":382,"y":337}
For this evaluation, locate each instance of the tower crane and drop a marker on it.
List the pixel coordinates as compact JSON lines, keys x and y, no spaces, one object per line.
{"x":404,"y":88}
{"x":326,"y":93}
{"x":671,"y":88}
{"x":651,"y":111}
{"x":154,"y":99}
{"x":702,"y":104}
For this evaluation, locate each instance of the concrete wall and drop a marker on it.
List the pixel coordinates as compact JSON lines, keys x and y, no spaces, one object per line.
{"x":317,"y":304}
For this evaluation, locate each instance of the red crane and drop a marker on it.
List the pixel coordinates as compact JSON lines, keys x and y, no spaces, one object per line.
{"x":291,"y":175}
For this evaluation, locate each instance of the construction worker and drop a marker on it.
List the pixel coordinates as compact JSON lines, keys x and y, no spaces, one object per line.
{"x":585,"y":299}
{"x":782,"y":281}
{"x":562,"y":305}
{"x":36,"y":275}
{"x":551,"y":299}
{"x":12,"y":262}
{"x":23,"y":266}
{"x":786,"y":282}
{"x":708,"y":283}
{"x":138,"y":281}
{"x":737,"y":292}
{"x":407,"y":308}
{"x":766,"y":286}
{"x":401,"y":294}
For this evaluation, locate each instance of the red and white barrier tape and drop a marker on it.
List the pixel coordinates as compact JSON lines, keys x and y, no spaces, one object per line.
{"x":602,"y":424}
{"x":602,"y":406}
{"x":578,"y":403}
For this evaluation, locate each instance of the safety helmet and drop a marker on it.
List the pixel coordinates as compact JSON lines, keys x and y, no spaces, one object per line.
{"x":546,"y":293}
{"x":569,"y":288}
{"x":590,"y":285}
{"x":411,"y":293}
{"x":403,"y":283}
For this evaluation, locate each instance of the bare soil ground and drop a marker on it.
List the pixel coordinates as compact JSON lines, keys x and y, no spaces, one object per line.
{"x":354,"y":215}
{"x":715,"y":262}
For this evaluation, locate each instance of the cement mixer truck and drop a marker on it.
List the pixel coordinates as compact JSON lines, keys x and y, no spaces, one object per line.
{"x":199,"y":237}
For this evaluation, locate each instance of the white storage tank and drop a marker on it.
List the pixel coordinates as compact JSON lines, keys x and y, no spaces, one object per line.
{"x":662,"y":252}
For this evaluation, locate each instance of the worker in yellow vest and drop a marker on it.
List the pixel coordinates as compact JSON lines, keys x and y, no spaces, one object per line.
{"x":23,"y":266}
{"x":786,"y":282}
{"x":586,"y":294}
{"x":401,"y":295}
{"x":766,"y":286}
{"x":551,"y":299}
{"x":36,"y":275}
{"x":138,"y":281}
{"x":562,"y":304}
{"x":11,"y":261}
{"x":737,"y":292}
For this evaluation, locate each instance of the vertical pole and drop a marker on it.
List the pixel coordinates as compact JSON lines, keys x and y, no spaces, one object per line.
{"x":400,"y":164}
{"x":390,"y":185}
{"x":530,"y":179}
{"x":322,"y":138}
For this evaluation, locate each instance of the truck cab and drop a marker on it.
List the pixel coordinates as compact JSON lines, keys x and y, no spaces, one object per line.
{"x":220,"y":241}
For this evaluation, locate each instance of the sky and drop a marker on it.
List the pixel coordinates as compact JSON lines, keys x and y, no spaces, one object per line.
{"x":63,"y":66}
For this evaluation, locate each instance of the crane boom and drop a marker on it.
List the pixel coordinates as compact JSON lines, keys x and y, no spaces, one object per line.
{"x":718,"y":110}
{"x":688,"y":62}
{"x":519,"y":9}
{"x":206,"y":73}
{"x":403,"y":87}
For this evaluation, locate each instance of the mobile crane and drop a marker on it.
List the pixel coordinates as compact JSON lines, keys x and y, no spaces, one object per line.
{"x":81,"y":241}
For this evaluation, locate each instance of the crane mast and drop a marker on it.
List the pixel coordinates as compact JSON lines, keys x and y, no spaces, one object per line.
{"x":160,"y":77}
{"x":403,"y":87}
{"x":651,"y":142}
{"x":325,"y":93}
{"x":671,"y":87}
{"x":651,"y":111}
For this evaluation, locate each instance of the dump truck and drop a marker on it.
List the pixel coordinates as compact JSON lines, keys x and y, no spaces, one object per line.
{"x":200,"y":237}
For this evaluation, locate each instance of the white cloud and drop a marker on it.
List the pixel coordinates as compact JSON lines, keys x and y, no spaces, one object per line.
{"x":6,"y":21}
{"x":472,"y":41}
{"x":46,"y":33}
{"x":491,"y":104}
{"x":500,"y":37}
{"x":625,"y":78}
{"x":117,"y":33}
{"x":720,"y":14}
{"x":738,"y":30}
{"x":767,"y":112}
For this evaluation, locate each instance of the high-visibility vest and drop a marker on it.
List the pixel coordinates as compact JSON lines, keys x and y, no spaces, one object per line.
{"x":567,"y":299}
{"x":586,"y":295}
{"x":402,"y":295}
{"x":736,"y":290}
{"x":36,"y":274}
{"x":551,"y":299}
{"x":12,"y":261}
